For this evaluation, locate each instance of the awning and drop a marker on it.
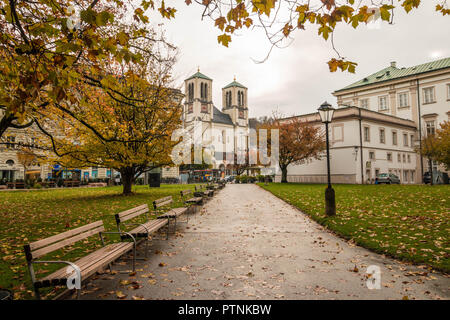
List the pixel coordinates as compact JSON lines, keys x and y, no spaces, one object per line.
{"x":33,"y":171}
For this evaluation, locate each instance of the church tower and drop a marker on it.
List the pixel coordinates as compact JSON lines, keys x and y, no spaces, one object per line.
{"x":234,"y":102}
{"x":198,"y":98}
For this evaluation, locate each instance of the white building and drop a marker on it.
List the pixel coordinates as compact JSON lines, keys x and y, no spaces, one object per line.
{"x":398,"y":106}
{"x":225,"y":130}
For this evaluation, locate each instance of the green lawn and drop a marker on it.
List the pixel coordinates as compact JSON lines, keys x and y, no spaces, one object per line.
{"x":29,"y":216}
{"x":407,"y":222}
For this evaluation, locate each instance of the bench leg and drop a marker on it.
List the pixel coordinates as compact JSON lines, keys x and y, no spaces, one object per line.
{"x":78,"y":294}
{"x":37,"y":293}
{"x":168,"y":229}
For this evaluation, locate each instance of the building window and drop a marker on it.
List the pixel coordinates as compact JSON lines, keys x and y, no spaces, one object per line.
{"x":399,"y":157}
{"x":428,"y":95}
{"x":191,"y":92}
{"x":389,"y":156}
{"x":203,"y":91}
{"x":364,"y":103}
{"x":412,"y":140}
{"x":382,"y":103}
{"x":367,"y":134}
{"x":394,"y":138}
{"x":448,"y":91}
{"x":412,"y":175}
{"x":405,"y":140}
{"x":372,"y":155}
{"x":404,"y":158}
{"x":409,"y":158}
{"x":403,"y":100}
{"x":405,"y":175}
{"x":431,"y":128}
{"x":10,"y":142}
{"x":382,"y":136}
{"x":228,"y":99}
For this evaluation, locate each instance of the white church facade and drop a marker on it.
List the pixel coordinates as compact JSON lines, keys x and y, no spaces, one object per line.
{"x":223,"y":131}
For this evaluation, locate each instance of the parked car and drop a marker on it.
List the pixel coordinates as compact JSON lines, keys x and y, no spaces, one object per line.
{"x":426,"y":177}
{"x":438,"y":177}
{"x":387,"y":178}
{"x":229,"y":178}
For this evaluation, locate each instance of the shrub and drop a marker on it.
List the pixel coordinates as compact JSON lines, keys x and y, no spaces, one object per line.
{"x":37,"y":186}
{"x":244,"y":178}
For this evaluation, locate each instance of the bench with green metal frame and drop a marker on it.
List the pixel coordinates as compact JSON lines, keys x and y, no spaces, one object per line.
{"x":143,"y":230}
{"x":88,"y":265}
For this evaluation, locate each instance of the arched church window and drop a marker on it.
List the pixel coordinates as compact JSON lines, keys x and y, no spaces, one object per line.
{"x":191,"y":91}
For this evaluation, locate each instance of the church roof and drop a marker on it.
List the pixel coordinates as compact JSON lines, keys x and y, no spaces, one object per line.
{"x":234,"y":84}
{"x":200,"y":75}
{"x":220,"y":117}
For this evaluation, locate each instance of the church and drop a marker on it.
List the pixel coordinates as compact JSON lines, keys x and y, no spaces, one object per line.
{"x":224,"y":131}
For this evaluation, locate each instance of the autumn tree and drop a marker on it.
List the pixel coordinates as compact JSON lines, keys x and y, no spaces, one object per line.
{"x":436,"y":147}
{"x":443,"y":144}
{"x":26,"y":157}
{"x":46,"y":47}
{"x":132,"y":114}
{"x":299,"y":141}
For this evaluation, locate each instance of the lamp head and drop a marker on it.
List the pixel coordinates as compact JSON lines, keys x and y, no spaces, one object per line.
{"x":326,"y":112}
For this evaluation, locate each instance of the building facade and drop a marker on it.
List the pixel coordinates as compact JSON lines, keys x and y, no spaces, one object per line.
{"x":225,"y":131}
{"x":379,"y":124}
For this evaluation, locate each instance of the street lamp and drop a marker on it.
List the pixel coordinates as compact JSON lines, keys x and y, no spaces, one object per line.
{"x":326,"y":115}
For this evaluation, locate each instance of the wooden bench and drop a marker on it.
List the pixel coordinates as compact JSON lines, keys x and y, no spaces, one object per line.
{"x":194,"y":200}
{"x":70,"y":183}
{"x":141,"y":230}
{"x":199,"y":192}
{"x":173,"y":213}
{"x":16,"y":185}
{"x":88,"y":265}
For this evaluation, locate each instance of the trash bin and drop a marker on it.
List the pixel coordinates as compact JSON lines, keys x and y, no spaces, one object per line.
{"x":5,"y":294}
{"x":154,"y":180}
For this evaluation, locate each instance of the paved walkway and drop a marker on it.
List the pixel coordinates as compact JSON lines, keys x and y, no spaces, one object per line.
{"x":247,"y":244}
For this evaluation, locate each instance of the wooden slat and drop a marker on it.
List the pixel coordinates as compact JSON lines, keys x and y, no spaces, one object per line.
{"x":133,"y":215}
{"x":133,"y":210}
{"x":161,"y":204}
{"x":185,"y":192}
{"x":94,"y":261}
{"x":58,"y":245}
{"x":151,"y":226}
{"x":163,"y":199}
{"x":47,"y":241}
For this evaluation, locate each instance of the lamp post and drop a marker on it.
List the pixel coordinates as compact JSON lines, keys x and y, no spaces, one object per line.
{"x":326,"y":114}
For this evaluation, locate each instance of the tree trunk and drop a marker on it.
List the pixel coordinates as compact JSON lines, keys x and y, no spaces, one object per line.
{"x":430,"y":165}
{"x":284,"y":175}
{"x":127,"y":180}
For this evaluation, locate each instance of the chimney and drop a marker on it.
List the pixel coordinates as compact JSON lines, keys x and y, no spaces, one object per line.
{"x":394,"y":64}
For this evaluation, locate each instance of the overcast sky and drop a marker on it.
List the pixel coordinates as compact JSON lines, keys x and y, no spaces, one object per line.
{"x":296,"y":79}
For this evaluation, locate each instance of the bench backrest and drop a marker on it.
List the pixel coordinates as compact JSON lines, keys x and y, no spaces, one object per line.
{"x":185,"y":192}
{"x":39,"y":248}
{"x":162,"y":202}
{"x":131,"y":213}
